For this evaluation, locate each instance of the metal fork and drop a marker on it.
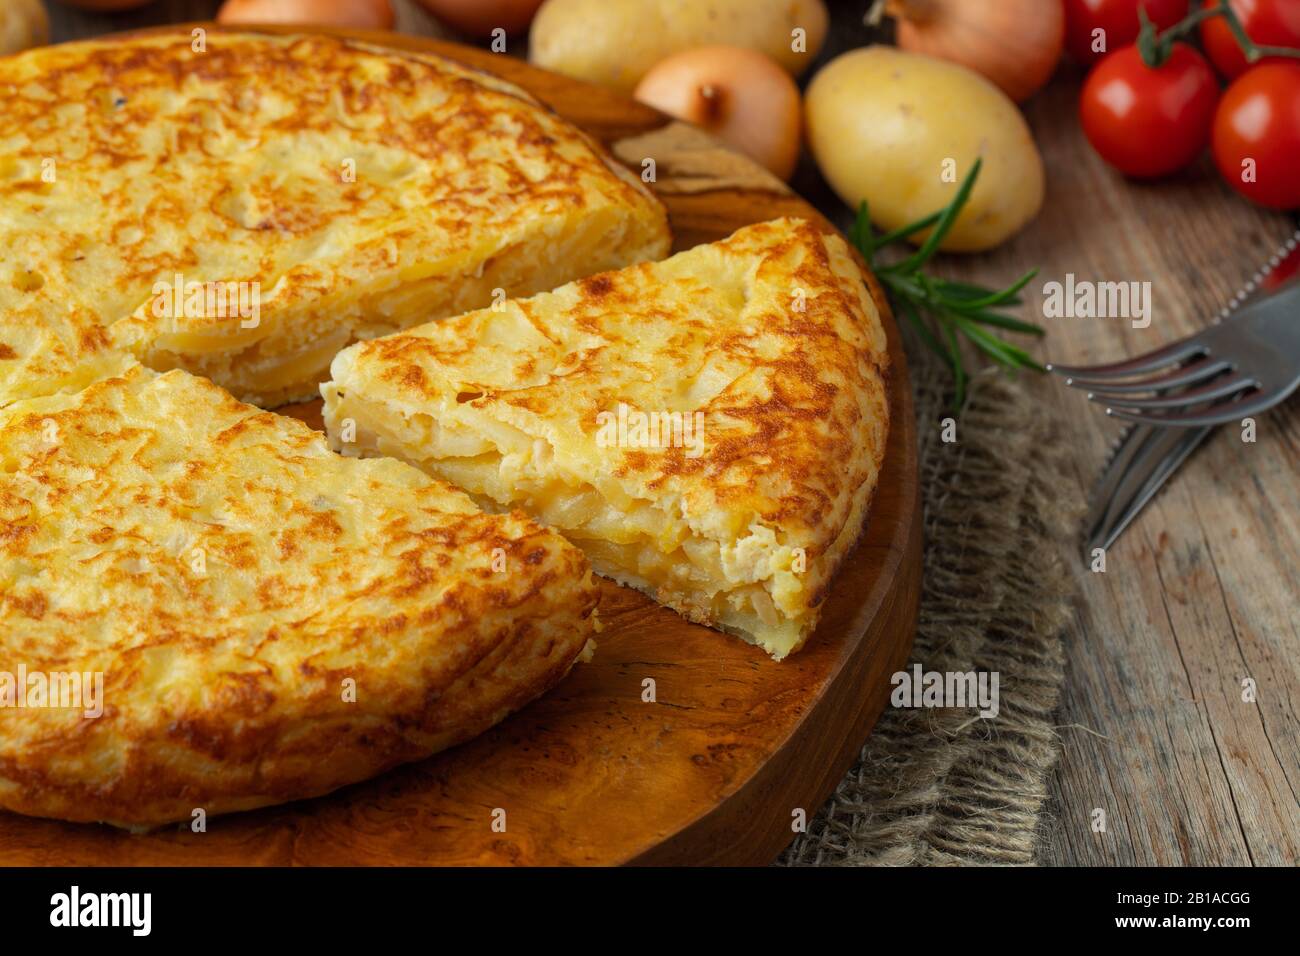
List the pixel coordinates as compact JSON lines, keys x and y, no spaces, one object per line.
{"x":1230,"y":371}
{"x":1146,"y":455}
{"x":1141,"y":462}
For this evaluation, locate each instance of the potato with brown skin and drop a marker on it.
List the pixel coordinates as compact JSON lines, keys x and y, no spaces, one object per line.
{"x":615,"y":42}
{"x":902,"y":131}
{"x":23,"y":24}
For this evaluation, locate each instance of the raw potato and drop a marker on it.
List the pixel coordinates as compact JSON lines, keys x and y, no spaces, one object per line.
{"x":614,"y":42}
{"x":23,"y":24}
{"x":882,"y":125}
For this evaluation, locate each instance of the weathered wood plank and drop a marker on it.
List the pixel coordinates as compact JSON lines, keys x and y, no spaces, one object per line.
{"x":1203,"y":590}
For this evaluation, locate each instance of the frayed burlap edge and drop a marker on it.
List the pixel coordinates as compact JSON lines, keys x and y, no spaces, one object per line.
{"x":942,"y":786}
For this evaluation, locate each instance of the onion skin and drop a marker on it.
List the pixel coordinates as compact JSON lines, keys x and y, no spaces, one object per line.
{"x":23,"y":25}
{"x":740,"y":95}
{"x":361,"y":14}
{"x":1015,"y":43}
{"x":108,"y":6}
{"x":478,"y":18}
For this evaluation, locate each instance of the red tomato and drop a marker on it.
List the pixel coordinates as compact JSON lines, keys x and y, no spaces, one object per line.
{"x":1267,"y":22}
{"x":1257,"y":135}
{"x":1288,"y":267}
{"x":1118,"y":19}
{"x":1146,"y":122}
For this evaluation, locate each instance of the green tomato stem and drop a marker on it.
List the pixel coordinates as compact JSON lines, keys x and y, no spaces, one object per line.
{"x":1156,"y":47}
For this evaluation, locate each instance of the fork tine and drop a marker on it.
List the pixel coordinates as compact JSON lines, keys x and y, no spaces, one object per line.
{"x":1190,"y":375}
{"x":1163,"y":450}
{"x":1149,"y":447}
{"x":1246,"y":405}
{"x":1206,"y":393}
{"x":1256,"y":402}
{"x":1118,"y":464}
{"x":1150,"y":362}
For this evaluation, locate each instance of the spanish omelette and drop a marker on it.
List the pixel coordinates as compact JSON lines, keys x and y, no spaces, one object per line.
{"x":244,"y":205}
{"x":267,"y":620}
{"x":767,"y":349}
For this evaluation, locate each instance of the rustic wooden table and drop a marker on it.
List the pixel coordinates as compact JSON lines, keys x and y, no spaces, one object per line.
{"x":1203,"y":592}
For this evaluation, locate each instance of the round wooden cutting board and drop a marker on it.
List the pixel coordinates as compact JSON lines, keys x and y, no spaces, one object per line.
{"x":734,"y":745}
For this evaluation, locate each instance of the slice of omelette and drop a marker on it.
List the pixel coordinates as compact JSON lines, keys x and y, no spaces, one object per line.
{"x":203,"y":607}
{"x":245,"y":205}
{"x":708,"y":429}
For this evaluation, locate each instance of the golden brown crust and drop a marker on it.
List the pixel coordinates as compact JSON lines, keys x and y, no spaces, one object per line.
{"x":227,"y":574}
{"x":361,"y":190}
{"x":769,"y":336}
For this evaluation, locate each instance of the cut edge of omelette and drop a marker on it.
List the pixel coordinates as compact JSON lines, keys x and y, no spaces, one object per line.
{"x":769,"y":337}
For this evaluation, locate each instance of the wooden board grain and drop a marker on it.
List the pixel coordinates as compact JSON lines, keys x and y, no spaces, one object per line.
{"x":734,"y":745}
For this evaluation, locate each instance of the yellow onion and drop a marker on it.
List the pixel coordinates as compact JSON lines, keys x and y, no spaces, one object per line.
{"x":478,"y":18}
{"x":107,"y":5}
{"x":1015,"y":43}
{"x":23,"y":24}
{"x":362,"y":14}
{"x":741,"y":96}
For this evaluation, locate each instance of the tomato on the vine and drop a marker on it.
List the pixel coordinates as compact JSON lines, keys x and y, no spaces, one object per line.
{"x":1267,"y":23}
{"x":1117,"y":19}
{"x":1257,"y":135}
{"x":1149,"y":122}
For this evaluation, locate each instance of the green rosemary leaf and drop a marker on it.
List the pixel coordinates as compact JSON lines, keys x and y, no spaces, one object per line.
{"x":862,"y":235}
{"x":958,"y":369}
{"x":990,"y":345}
{"x":903,"y":287}
{"x":946,"y":220}
{"x":995,"y":347}
{"x":943,"y":310}
{"x":894,"y":235}
{"x":1005,"y":297}
{"x":984,"y":317}
{"x":913,"y":316}
{"x":964,"y":291}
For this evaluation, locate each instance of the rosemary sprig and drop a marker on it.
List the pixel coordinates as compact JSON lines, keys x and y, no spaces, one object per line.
{"x":939,"y":309}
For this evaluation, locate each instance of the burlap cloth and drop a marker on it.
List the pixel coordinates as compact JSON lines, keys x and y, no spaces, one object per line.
{"x":939,"y":786}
